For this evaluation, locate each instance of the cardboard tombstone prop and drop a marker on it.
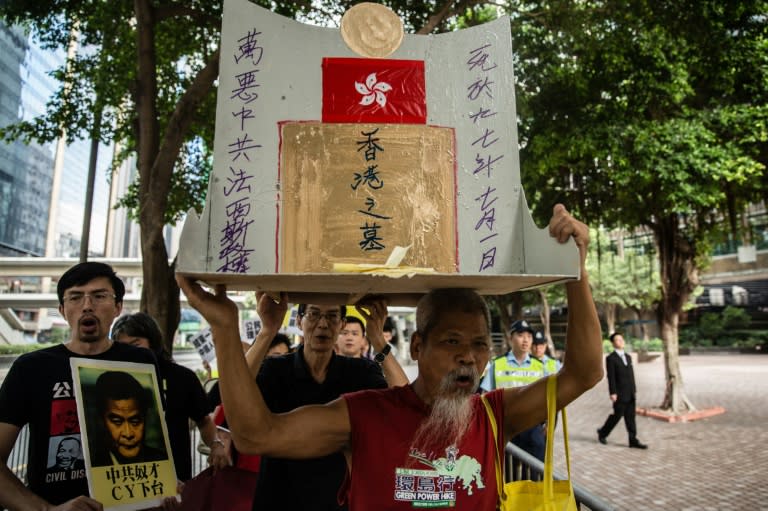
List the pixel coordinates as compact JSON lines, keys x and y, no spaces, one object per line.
{"x":360,"y":160}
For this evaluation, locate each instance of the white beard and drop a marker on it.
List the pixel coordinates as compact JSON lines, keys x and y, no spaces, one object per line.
{"x":450,"y":415}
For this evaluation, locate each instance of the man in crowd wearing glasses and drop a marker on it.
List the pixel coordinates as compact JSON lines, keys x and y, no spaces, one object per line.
{"x":313,"y":374}
{"x":39,"y":386}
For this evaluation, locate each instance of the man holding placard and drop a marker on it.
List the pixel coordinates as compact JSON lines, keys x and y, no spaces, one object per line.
{"x":39,"y":389}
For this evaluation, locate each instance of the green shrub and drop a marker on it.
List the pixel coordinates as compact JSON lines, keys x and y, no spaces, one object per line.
{"x":735,"y":318}
{"x":18,"y":349}
{"x":720,"y":328}
{"x":710,"y":325}
{"x":688,"y":336}
{"x":654,"y":344}
{"x":751,"y":339}
{"x":726,"y":328}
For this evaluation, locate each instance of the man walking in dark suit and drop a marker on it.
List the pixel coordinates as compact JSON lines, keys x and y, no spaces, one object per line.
{"x":621,"y":386}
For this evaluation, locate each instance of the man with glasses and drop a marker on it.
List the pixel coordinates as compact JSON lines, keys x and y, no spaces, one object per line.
{"x":38,"y":388}
{"x":313,"y":374}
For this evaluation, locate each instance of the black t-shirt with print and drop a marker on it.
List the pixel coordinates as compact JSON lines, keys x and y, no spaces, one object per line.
{"x":38,"y":391}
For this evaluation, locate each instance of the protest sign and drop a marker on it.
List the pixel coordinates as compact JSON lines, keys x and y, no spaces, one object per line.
{"x":128,"y":457}
{"x":340,"y":171}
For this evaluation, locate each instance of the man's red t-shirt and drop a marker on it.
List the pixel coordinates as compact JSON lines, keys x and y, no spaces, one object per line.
{"x":385,"y":476}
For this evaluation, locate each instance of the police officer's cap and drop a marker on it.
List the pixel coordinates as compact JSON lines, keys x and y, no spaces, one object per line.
{"x":538,"y":338}
{"x":521,"y":325}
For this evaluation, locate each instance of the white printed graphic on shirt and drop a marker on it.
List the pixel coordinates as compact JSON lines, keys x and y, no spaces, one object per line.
{"x":62,"y":389}
{"x":436,"y":488}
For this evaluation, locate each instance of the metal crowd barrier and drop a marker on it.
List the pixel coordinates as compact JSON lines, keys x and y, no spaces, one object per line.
{"x":17,"y":460}
{"x":521,"y":466}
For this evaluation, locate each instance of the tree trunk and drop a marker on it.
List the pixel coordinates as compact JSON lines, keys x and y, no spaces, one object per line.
{"x":501,"y":305}
{"x":675,"y":399}
{"x":544,"y":316}
{"x":159,"y":293}
{"x":610,"y":317}
{"x":157,"y":154}
{"x":516,"y":304}
{"x":160,"y":300}
{"x":641,"y":323}
{"x":678,"y":280}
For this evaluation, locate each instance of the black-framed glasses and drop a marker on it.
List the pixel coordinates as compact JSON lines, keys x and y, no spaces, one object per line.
{"x":97,"y":298}
{"x":332,"y":317}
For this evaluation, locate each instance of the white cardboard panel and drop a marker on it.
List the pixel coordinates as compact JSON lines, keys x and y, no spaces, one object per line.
{"x":469,"y":85}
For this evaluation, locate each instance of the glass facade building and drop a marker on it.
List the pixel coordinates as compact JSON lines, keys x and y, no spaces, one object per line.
{"x":27,"y":171}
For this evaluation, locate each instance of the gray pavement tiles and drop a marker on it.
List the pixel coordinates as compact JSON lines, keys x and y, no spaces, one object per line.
{"x":717,"y":463}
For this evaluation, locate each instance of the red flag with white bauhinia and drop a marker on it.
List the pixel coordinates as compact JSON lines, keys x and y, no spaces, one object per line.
{"x":374,"y":90}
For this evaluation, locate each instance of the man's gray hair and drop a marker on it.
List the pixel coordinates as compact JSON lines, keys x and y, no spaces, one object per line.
{"x":437,"y":302}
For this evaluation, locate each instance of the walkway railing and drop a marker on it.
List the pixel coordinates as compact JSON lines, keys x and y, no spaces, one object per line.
{"x":17,"y":460}
{"x":519,"y":466}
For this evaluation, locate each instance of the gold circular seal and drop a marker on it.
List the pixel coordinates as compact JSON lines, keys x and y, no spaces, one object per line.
{"x":372,"y":30}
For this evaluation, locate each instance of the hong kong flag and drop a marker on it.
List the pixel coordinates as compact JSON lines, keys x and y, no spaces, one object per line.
{"x":374,"y":91}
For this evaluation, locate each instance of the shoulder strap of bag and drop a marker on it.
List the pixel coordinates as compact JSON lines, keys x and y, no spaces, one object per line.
{"x":494,"y":429}
{"x":549,"y":456}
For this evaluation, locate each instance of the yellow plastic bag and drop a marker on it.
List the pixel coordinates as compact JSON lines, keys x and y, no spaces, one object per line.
{"x":545,"y":495}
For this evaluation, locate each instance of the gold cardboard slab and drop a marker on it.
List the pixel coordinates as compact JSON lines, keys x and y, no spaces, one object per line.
{"x":350,"y":193}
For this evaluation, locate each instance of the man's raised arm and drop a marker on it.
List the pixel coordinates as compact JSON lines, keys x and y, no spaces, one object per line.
{"x":375,"y":315}
{"x":582,"y":368}
{"x":307,"y":432}
{"x":271,"y":312}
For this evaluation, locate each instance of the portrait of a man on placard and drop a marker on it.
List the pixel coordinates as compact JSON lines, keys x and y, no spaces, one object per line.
{"x":122,"y":408}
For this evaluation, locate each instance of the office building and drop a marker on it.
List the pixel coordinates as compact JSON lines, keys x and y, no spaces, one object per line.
{"x":28,"y":171}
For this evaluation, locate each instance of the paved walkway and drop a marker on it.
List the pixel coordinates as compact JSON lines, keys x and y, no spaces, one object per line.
{"x":716,"y":464}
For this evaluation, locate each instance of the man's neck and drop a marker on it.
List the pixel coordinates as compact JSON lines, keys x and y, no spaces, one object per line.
{"x":520,"y":357}
{"x":317,"y":362}
{"x":420,"y":388}
{"x":88,"y":348}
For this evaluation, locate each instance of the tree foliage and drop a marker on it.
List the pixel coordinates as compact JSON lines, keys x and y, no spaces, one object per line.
{"x":646,"y":114}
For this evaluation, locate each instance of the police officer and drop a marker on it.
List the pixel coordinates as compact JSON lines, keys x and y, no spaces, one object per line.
{"x":539,"y":351}
{"x":515,"y":369}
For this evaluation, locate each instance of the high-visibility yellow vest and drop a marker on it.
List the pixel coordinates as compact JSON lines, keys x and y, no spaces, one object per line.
{"x":550,"y":365}
{"x":506,"y":375}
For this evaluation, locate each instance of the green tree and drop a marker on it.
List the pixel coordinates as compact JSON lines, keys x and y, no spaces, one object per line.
{"x":147,"y":81}
{"x":621,"y":279}
{"x":647,"y":114}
